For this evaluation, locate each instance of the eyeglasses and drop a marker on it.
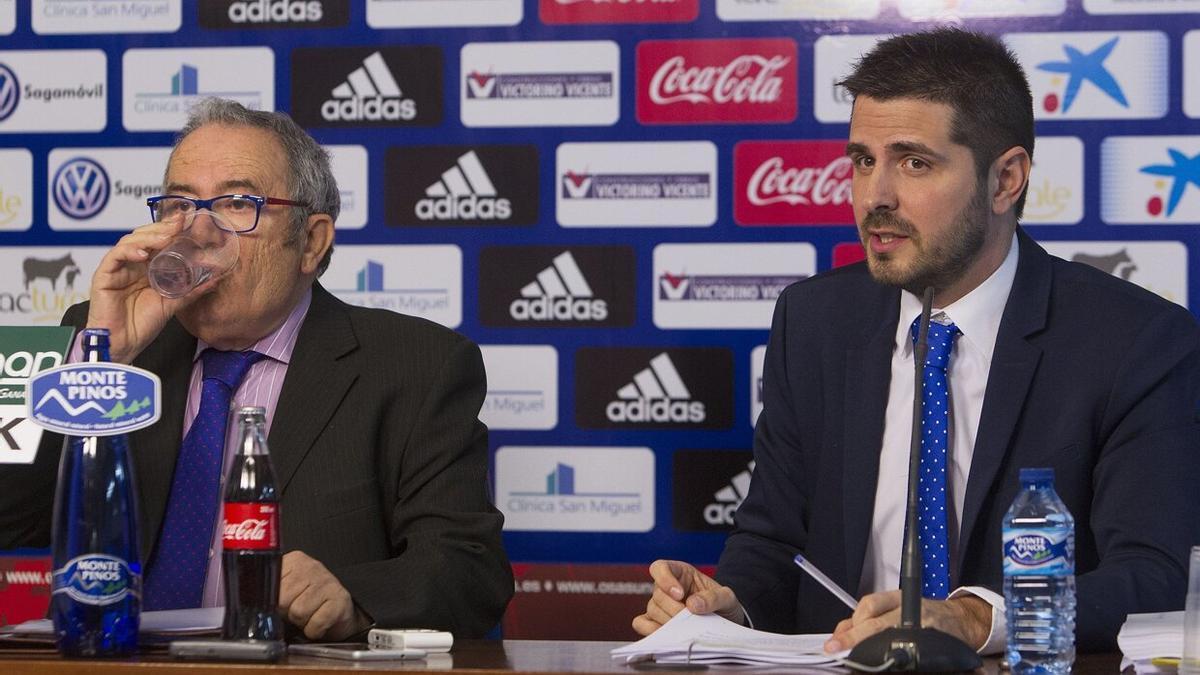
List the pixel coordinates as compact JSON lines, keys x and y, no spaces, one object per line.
{"x":240,"y":210}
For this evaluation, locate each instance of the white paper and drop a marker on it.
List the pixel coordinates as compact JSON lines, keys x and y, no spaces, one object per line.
{"x":1148,"y":636}
{"x":691,"y":638}
{"x":166,"y":622}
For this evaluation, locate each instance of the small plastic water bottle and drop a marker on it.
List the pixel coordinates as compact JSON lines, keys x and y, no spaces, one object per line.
{"x":96,"y":587}
{"x":1039,"y":578}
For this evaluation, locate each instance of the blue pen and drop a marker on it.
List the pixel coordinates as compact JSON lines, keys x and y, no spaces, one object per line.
{"x":826,"y":581}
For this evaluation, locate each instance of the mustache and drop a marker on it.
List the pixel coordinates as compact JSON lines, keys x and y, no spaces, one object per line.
{"x":887,"y":220}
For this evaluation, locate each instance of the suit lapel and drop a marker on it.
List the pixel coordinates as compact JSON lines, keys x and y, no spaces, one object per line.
{"x":316,"y":382}
{"x":868,"y":376}
{"x":156,"y":447}
{"x":1014,"y":363}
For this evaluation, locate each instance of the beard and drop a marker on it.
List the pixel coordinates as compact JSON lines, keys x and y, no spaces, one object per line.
{"x":938,"y":262}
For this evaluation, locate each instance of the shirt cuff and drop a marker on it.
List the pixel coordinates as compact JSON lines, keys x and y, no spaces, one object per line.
{"x":998,"y":634}
{"x":75,"y":355}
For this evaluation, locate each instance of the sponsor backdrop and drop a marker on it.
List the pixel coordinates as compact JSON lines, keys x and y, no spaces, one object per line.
{"x":608,"y":195}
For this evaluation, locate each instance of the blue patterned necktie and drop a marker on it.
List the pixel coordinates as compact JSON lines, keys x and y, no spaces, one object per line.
{"x":935,"y":423}
{"x":175,"y":578}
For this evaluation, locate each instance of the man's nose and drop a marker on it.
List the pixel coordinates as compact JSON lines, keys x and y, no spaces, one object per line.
{"x":876,"y":191}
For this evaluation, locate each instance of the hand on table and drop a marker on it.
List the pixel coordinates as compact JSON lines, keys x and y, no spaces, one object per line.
{"x":311,"y":598}
{"x":678,"y":585}
{"x":969,"y":618}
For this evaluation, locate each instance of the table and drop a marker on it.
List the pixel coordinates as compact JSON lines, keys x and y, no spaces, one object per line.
{"x":476,"y":656}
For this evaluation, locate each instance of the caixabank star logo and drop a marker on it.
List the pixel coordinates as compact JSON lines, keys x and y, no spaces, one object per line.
{"x":367,"y":86}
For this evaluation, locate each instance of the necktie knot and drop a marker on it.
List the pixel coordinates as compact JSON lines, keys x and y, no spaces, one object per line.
{"x":228,"y":367}
{"x":941,"y":340}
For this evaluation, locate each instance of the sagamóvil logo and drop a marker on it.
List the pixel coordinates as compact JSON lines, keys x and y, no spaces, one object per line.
{"x":81,"y":188}
{"x":10,"y":92}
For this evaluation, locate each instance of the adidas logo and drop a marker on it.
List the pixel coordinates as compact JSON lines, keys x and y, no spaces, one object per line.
{"x":464,"y":192}
{"x":657,"y":394}
{"x":560,"y":293}
{"x":370,"y":94}
{"x":728,"y":499}
{"x":275,"y":11}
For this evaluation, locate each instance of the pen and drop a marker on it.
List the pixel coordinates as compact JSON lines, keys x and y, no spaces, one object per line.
{"x":826,"y":581}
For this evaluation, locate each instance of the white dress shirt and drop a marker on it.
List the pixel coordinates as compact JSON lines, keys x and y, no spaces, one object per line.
{"x":977,"y":315}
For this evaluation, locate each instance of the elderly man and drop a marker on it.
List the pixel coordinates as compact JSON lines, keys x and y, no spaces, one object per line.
{"x":1051,"y":364}
{"x":380,"y":459}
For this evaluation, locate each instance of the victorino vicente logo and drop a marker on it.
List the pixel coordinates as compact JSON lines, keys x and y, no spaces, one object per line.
{"x":792,"y":183}
{"x":706,"y":81}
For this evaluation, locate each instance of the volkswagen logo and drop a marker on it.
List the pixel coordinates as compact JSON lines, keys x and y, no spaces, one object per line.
{"x":80,"y":188}
{"x":10,"y":92}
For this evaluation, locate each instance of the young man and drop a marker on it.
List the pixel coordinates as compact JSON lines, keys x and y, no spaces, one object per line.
{"x":1050,"y":364}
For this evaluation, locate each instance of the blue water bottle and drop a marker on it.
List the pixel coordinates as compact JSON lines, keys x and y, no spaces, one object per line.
{"x":1039,"y":578}
{"x":96,"y":586}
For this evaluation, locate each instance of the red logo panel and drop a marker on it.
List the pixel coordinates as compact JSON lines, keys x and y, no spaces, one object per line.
{"x":618,"y":11}
{"x":848,"y":254}
{"x":792,"y":183}
{"x":251,"y":526}
{"x":24,"y":588}
{"x":705,"y":81}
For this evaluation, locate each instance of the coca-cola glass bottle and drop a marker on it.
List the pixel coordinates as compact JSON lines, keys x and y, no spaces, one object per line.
{"x":251,"y":536}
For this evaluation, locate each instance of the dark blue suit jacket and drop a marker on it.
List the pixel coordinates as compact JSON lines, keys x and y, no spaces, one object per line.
{"x":1091,"y":375}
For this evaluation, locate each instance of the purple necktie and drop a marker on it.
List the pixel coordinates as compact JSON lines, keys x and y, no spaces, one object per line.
{"x":935,"y":424}
{"x":175,"y":576}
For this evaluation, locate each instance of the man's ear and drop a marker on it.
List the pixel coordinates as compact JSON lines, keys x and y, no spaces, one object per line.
{"x":1007,"y":178}
{"x":318,"y":238}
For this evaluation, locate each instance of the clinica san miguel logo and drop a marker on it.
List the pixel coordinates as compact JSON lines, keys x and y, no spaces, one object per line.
{"x":552,"y":286}
{"x":80,"y":188}
{"x":10,"y":92}
{"x":654,"y":388}
{"x":274,"y":13}
{"x":462,"y":185}
{"x":351,"y":86}
{"x":709,"y":486}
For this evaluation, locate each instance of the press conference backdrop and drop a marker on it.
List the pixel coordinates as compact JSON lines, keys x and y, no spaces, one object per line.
{"x":608,"y":195}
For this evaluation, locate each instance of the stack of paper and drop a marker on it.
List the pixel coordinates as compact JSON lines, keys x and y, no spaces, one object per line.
{"x":171,"y":622}
{"x":708,"y":639}
{"x":1147,"y":637}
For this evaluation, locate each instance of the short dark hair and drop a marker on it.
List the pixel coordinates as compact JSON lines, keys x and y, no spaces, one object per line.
{"x":973,"y":73}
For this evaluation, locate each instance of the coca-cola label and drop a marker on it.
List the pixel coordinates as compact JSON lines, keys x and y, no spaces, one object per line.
{"x":618,"y":11}
{"x":706,"y":81}
{"x":251,"y":526}
{"x":792,"y":183}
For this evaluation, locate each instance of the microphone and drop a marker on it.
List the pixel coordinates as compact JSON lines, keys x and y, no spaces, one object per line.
{"x":910,"y":647}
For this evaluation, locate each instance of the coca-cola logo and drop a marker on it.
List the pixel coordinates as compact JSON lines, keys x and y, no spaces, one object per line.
{"x":698,"y":81}
{"x":247,"y":530}
{"x":250,"y":525}
{"x":773,"y":182}
{"x":792,"y":183}
{"x":749,"y":78}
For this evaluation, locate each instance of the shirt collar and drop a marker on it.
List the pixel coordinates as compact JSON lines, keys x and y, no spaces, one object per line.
{"x":277,"y":344}
{"x":977,"y":314}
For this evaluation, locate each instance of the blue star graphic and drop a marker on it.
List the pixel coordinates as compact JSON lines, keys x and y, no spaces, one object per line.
{"x":1087,"y":67}
{"x":1182,"y":169}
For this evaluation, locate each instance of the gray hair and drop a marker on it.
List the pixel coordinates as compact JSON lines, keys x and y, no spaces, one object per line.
{"x":310,"y":179}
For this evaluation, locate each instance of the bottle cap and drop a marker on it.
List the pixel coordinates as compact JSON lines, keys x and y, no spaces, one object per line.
{"x":1037,"y":475}
{"x":95,"y":337}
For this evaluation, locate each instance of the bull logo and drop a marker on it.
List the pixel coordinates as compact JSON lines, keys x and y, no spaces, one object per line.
{"x":10,"y":92}
{"x":51,"y":270}
{"x":80,"y":188}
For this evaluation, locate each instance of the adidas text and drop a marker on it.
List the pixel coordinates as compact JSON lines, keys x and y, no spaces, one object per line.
{"x":719,"y":514}
{"x":465,"y":208}
{"x":373,"y":109}
{"x":655,"y":410}
{"x":275,"y":11}
{"x":558,"y":309}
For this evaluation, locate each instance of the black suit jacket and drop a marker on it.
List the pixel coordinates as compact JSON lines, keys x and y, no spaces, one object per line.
{"x":1091,"y":375}
{"x":378,"y":452}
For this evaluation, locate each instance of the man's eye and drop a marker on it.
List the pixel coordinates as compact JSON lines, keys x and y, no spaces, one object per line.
{"x":916,"y":163}
{"x":864,"y":162}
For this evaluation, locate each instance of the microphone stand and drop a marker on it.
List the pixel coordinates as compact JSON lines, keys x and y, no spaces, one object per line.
{"x":910,"y":647}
